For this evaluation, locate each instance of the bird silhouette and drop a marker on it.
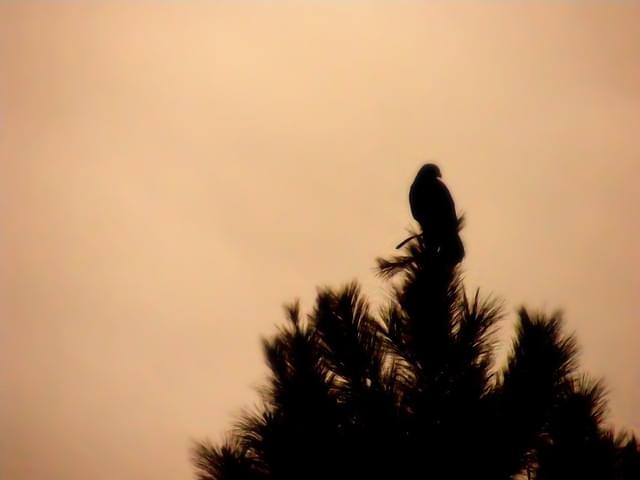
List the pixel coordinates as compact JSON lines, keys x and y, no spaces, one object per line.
{"x":434,"y":209}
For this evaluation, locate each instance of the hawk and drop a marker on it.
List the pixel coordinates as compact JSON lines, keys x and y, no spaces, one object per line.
{"x":433,"y":208}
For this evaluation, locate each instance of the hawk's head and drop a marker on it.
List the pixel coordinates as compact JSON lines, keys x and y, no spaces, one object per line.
{"x":430,"y":170}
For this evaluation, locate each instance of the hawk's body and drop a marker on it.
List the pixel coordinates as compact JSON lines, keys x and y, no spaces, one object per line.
{"x":433,"y":208}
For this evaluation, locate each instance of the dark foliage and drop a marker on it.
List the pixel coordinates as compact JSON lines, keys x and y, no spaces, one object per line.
{"x":414,"y":392}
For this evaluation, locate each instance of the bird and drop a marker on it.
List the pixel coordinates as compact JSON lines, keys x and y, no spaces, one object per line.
{"x":432,"y":206}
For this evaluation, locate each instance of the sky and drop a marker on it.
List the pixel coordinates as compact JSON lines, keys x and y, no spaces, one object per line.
{"x":172,"y":173}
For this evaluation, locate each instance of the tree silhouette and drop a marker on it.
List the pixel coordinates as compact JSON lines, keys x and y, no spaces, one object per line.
{"x":414,"y":392}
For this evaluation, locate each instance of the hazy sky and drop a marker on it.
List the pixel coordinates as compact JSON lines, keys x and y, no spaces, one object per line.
{"x":172,"y":172}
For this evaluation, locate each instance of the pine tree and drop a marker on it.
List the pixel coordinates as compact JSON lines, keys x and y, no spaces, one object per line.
{"x":414,"y":392}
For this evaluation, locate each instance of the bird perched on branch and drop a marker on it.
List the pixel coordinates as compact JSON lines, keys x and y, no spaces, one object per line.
{"x":433,"y":208}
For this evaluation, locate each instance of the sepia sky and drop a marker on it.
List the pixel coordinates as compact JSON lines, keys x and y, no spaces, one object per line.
{"x":172,"y":172}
